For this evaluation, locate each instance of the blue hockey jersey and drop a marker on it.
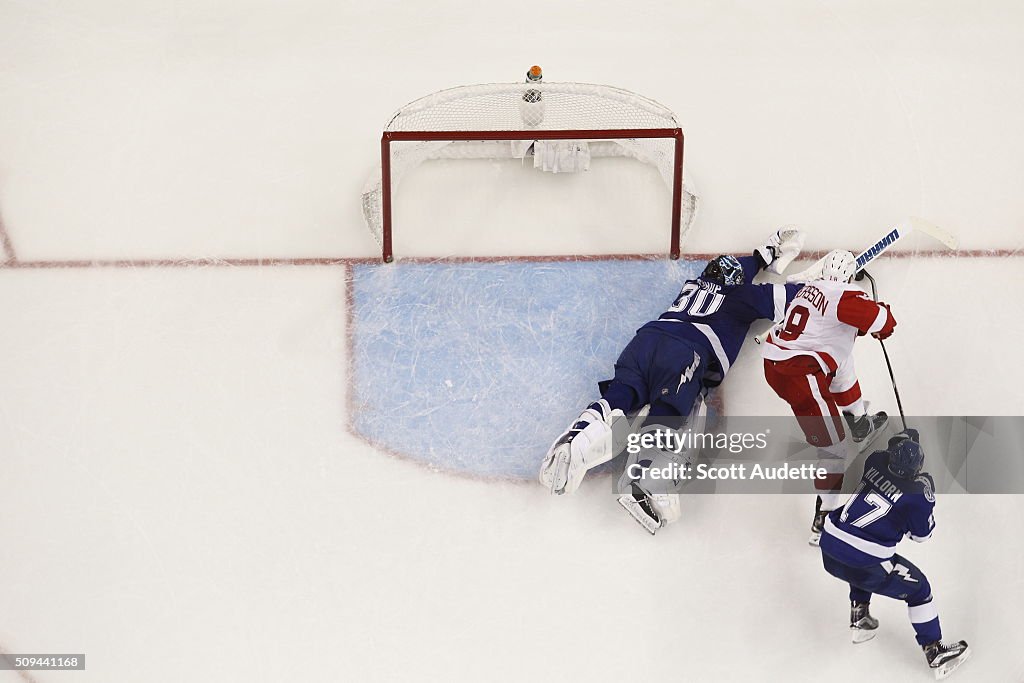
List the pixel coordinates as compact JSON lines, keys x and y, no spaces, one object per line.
{"x":882,"y":510}
{"x":718,"y":318}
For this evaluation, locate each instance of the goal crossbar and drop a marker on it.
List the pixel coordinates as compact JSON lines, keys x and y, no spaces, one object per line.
{"x":570,"y":122}
{"x":486,"y":135}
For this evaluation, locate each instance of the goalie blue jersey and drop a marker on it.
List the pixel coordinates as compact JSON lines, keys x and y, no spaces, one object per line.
{"x":882,"y":510}
{"x":719,"y":317}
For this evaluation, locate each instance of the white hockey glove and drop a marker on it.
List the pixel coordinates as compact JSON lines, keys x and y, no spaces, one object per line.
{"x":781,"y":248}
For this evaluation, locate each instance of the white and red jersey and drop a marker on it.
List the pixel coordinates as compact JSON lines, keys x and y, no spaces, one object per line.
{"x":823,"y":321}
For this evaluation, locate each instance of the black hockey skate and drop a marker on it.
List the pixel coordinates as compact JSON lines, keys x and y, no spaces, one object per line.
{"x":944,"y":658}
{"x":818,"y":523}
{"x":866,"y":428}
{"x":638,"y":504}
{"x":863,"y":626}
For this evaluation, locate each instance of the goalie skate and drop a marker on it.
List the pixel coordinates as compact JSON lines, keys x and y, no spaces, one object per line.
{"x":639,"y":508}
{"x":652,"y":511}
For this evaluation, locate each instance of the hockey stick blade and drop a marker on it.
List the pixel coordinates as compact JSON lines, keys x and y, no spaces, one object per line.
{"x":946,"y":238}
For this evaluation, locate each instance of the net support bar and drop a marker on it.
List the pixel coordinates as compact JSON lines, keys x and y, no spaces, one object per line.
{"x":604,"y":134}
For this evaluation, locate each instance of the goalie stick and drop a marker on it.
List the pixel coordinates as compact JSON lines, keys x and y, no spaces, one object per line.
{"x":895,"y":234}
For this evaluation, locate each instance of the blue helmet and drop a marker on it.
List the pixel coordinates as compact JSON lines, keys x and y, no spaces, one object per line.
{"x":906,"y":457}
{"x":724,"y":270}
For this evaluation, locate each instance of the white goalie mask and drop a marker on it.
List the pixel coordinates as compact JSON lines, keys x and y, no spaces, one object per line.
{"x":840,"y":266}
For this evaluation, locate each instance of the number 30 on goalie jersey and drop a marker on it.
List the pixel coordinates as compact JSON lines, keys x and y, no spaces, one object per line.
{"x":697,"y":301}
{"x":718,"y":316}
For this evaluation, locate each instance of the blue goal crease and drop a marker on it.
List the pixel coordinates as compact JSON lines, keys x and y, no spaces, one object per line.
{"x":478,"y":367}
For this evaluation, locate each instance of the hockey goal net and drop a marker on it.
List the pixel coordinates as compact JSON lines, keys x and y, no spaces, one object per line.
{"x":517,"y":120}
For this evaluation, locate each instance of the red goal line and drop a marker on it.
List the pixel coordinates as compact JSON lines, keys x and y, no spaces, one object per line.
{"x":210,"y":262}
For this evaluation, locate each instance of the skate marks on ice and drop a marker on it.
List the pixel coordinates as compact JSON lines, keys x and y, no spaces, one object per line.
{"x":476,"y":367}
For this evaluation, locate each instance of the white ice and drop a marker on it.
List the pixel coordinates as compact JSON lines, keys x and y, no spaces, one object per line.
{"x":179,"y":496}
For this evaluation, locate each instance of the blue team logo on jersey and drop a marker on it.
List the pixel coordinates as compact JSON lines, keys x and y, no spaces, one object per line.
{"x":687,"y":375}
{"x":478,"y":367}
{"x":927,"y":487}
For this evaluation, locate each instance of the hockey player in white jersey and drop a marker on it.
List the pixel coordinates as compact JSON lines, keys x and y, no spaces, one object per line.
{"x":808,"y":361}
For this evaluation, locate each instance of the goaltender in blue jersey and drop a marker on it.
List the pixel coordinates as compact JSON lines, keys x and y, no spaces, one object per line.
{"x":858,"y":546}
{"x":673,"y":361}
{"x":712,"y":314}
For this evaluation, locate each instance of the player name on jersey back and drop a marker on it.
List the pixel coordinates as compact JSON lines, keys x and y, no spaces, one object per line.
{"x":815,"y":296}
{"x":882,"y":484}
{"x":822,"y":321}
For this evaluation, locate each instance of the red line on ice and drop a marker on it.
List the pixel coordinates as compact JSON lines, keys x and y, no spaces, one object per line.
{"x":13,"y":262}
{"x":346,"y":263}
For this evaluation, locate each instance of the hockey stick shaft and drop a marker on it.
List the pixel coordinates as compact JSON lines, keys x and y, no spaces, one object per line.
{"x":894,"y":235}
{"x":888,"y":363}
{"x":865,"y":257}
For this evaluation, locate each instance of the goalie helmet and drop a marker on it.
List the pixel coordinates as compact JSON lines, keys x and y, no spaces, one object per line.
{"x":906,"y":457}
{"x":723,"y":270}
{"x":840,"y":266}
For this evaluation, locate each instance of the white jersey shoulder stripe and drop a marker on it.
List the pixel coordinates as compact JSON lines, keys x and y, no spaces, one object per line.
{"x":773,"y":350}
{"x":716,"y":345}
{"x":779,"y":292}
{"x":880,"y":320}
{"x":824,"y":409}
{"x":868,"y":547}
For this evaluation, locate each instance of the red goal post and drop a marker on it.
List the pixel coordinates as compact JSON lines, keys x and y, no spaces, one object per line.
{"x":475,"y":121}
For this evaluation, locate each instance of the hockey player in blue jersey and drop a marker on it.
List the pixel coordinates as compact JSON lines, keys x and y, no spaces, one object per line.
{"x":894,"y":499}
{"x":673,"y":361}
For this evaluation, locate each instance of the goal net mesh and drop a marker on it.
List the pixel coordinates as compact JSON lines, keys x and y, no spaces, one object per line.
{"x":552,"y":107}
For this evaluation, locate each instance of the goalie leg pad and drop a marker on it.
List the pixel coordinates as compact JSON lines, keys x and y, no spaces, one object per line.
{"x":585,"y":445}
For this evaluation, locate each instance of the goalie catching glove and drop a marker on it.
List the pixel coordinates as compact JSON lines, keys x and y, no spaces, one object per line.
{"x":781,"y":248}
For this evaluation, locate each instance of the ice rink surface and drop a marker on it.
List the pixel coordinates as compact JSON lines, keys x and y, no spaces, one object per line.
{"x":204,"y":389}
